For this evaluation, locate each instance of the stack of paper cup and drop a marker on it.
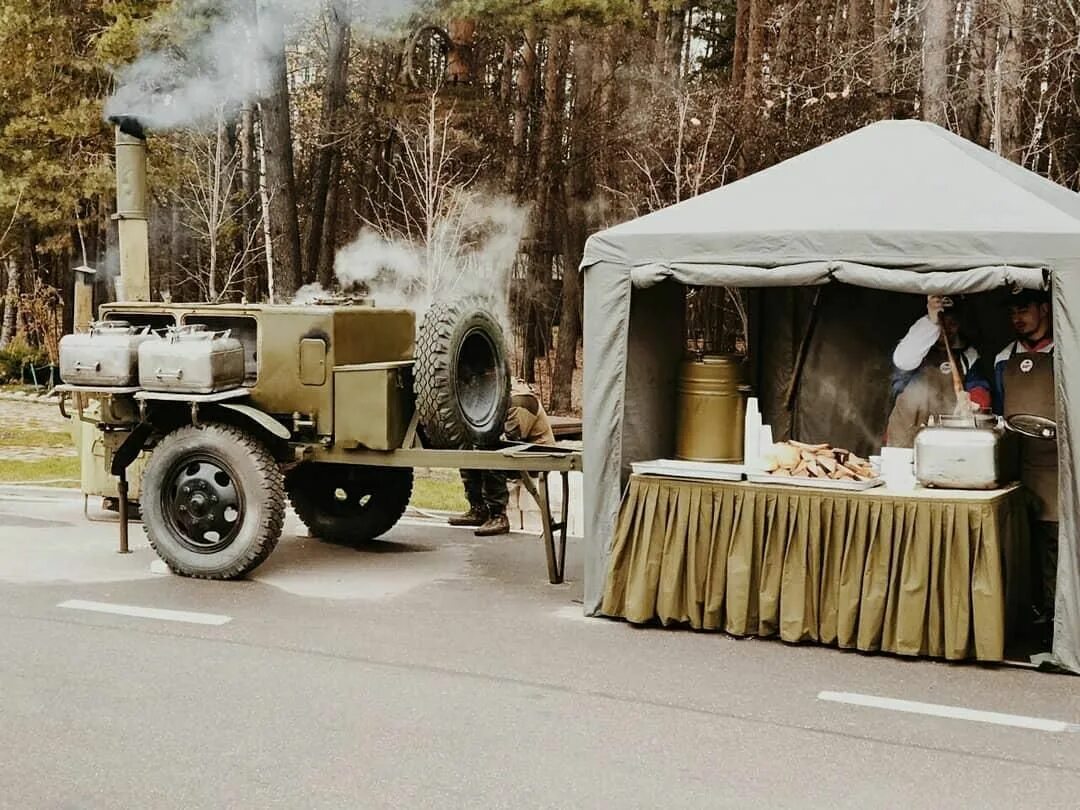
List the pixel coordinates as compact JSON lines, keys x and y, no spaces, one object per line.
{"x":752,"y":435}
{"x":766,"y":441}
{"x":898,"y":467}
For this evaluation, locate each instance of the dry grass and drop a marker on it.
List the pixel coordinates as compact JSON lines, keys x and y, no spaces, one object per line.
{"x":61,"y":471}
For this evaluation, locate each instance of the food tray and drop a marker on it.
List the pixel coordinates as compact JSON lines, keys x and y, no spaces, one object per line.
{"x":814,"y":483}
{"x":699,"y":470}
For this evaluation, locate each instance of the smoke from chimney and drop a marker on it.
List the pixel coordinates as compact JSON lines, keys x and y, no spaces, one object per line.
{"x":220,"y":55}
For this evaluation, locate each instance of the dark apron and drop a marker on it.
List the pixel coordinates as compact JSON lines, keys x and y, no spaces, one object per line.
{"x":1029,"y":388}
{"x":929,"y":393}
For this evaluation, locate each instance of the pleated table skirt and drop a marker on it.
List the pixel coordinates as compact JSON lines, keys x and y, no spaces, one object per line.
{"x":929,"y":573}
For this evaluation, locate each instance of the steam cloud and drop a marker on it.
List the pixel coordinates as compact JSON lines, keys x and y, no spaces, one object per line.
{"x":225,"y":60}
{"x":472,"y":254}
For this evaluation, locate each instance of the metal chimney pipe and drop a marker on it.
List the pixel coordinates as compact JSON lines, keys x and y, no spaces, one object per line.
{"x":131,"y":209}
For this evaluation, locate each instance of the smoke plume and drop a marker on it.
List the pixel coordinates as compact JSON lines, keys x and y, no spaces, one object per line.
{"x":220,"y":54}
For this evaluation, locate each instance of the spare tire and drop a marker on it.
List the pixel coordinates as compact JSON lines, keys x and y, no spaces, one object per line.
{"x":462,"y":378}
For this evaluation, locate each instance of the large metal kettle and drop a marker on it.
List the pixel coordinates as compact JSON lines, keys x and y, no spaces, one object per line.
{"x":960,"y":452}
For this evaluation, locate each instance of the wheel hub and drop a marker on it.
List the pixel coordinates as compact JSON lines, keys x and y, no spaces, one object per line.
{"x":203,"y":503}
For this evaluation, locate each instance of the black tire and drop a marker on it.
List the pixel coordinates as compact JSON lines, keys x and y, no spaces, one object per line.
{"x":462,"y":378}
{"x":191,"y":480}
{"x":349,"y":504}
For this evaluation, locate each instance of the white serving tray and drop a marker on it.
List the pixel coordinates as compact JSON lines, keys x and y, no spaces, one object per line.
{"x":700,"y":470}
{"x":814,"y":483}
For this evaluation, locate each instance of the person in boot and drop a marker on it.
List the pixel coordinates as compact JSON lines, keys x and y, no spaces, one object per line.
{"x":486,"y":490}
{"x":1024,"y":384}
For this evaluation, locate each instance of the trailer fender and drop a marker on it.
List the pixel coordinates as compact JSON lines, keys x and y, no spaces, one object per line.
{"x":130,"y":448}
{"x":261,"y":418}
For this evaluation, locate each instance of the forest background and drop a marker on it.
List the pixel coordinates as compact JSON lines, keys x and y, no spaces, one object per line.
{"x":412,"y":150}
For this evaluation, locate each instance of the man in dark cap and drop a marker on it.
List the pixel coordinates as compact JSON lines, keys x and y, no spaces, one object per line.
{"x":1024,"y":384}
{"x":923,"y":375}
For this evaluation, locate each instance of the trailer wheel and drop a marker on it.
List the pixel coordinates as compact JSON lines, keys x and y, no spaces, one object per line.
{"x":213,"y":501}
{"x":462,"y":378}
{"x":349,"y":504}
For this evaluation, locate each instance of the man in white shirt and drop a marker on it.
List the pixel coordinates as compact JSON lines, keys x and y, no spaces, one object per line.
{"x":923,"y":382}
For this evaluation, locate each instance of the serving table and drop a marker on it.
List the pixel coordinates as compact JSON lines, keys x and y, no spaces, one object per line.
{"x":938,"y":573}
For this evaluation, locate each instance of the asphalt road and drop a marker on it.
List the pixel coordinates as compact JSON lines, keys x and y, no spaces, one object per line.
{"x":436,"y":670}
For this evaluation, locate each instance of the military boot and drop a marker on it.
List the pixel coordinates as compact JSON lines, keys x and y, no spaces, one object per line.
{"x":476,"y":516}
{"x":496,"y":524}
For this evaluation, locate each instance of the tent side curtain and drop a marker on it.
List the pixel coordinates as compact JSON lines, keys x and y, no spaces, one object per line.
{"x":974,"y":280}
{"x":1067,"y":368}
{"x":606,"y":320}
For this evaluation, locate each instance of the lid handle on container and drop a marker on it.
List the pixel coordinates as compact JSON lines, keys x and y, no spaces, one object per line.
{"x":110,"y":326}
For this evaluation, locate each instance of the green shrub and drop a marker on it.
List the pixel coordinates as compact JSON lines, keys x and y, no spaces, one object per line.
{"x":15,"y":359}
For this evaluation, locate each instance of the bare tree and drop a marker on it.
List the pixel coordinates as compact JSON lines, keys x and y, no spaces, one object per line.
{"x":209,"y":214}
{"x":432,"y":207}
{"x":688,"y":156}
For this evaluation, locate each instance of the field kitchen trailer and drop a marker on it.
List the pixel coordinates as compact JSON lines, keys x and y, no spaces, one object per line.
{"x":231,"y":408}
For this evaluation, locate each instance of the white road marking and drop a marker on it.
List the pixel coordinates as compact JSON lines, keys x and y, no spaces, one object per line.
{"x":147,"y":613}
{"x":951,"y":712}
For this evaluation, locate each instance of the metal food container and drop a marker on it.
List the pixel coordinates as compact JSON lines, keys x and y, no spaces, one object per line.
{"x":961,"y":453}
{"x":191,"y":360}
{"x":105,"y":357}
{"x":711,"y":412}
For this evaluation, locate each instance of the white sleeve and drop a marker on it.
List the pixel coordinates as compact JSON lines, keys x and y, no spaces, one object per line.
{"x":912,"y":349}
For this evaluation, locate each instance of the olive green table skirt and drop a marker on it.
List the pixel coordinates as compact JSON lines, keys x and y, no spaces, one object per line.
{"x":923,"y":573}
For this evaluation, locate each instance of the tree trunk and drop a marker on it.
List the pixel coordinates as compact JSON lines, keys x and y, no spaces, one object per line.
{"x":170,"y":273}
{"x":937,"y":18}
{"x":755,"y":49}
{"x":882,"y":63}
{"x":459,"y":61}
{"x":283,"y":226}
{"x":506,"y":74}
{"x":969,"y":108}
{"x":660,"y":43}
{"x":525,"y":80}
{"x":676,"y":38}
{"x":857,"y":19}
{"x":1010,"y":140}
{"x":11,"y":302}
{"x":575,"y":229}
{"x":327,"y":150}
{"x":989,"y":84}
{"x":547,"y":175}
{"x":329,"y":231}
{"x":738,"y":56}
{"x":249,"y":191}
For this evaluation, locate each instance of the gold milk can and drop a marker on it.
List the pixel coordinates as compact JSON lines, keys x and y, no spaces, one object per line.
{"x":711,"y":409}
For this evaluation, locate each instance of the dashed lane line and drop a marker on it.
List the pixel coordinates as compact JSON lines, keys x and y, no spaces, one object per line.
{"x":160,"y":614}
{"x":950,"y":712}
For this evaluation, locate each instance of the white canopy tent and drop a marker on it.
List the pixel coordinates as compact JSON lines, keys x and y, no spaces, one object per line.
{"x":900,"y":206}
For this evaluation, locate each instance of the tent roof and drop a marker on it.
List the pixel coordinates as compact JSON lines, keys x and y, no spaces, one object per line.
{"x":893,"y":193}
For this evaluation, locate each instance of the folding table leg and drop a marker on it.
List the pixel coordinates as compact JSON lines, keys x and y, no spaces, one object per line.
{"x":555,"y":571}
